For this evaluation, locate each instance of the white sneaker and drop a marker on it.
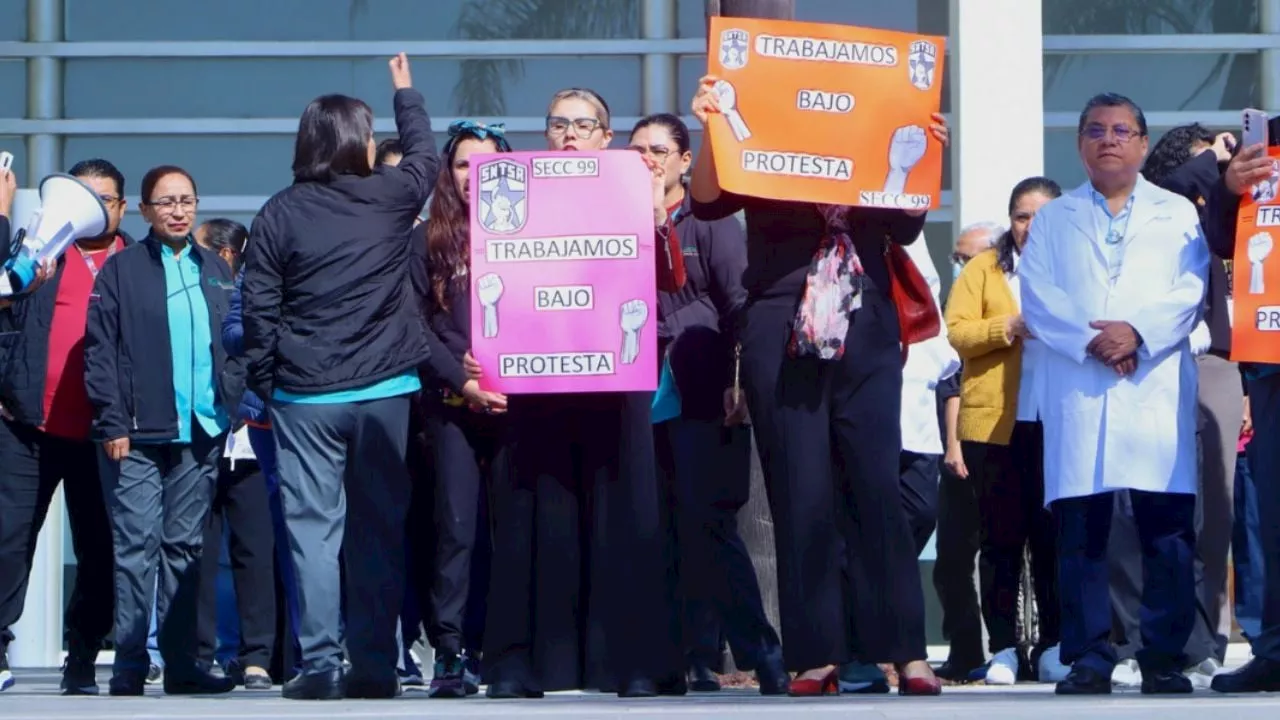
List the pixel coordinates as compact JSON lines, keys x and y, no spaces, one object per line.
{"x":1004,"y":668}
{"x":1127,"y":674}
{"x":1201,"y":676}
{"x":1051,"y":668}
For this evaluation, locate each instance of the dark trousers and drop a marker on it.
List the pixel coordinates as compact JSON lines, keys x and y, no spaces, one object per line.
{"x":158,"y":497}
{"x":579,"y":594}
{"x":1264,"y":403}
{"x":705,"y":469}
{"x":1009,"y":482}
{"x":829,"y":440}
{"x":32,"y":464}
{"x":918,"y":482}
{"x":468,"y":448}
{"x":240,"y":504}
{"x":1246,"y":551}
{"x":344,"y":487}
{"x":958,"y":542}
{"x":419,"y":543}
{"x":1166,"y":531}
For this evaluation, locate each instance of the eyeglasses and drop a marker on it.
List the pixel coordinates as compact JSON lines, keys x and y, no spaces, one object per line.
{"x":582,"y":127}
{"x":960,"y":258}
{"x":167,"y":205}
{"x":109,"y":199}
{"x":657,"y":152}
{"x":1122,"y":133}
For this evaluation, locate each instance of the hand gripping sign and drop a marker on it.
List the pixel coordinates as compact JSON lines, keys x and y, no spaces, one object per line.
{"x":826,"y":113}
{"x":562,"y":256}
{"x":1255,"y":277}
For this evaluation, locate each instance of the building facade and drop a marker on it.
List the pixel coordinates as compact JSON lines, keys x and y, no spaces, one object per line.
{"x":217,"y":87}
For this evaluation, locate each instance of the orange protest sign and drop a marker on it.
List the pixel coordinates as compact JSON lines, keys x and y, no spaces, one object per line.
{"x":826,"y":113}
{"x":1255,"y":291}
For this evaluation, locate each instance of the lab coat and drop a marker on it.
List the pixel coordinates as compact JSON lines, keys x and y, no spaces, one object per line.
{"x":1103,"y":432}
{"x":928,"y":363}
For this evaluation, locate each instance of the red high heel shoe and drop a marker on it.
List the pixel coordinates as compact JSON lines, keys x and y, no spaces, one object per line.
{"x":828,"y":684}
{"x":931,"y":685}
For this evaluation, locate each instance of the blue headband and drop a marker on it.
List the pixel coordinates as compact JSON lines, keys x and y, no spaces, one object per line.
{"x":460,"y":129}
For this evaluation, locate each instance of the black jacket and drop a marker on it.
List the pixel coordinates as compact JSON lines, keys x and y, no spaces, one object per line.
{"x":451,"y":327}
{"x":695,"y":323}
{"x":1195,"y":180}
{"x":24,"y":348}
{"x":128,"y":356}
{"x":328,"y":304}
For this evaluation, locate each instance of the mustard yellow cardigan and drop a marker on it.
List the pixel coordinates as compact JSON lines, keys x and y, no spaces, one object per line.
{"x":980,"y":303}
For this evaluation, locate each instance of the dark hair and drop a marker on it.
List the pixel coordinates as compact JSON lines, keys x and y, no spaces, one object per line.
{"x":448,"y":227}
{"x":674,"y":125}
{"x":1173,"y":151}
{"x":333,"y":139}
{"x":387,"y":148}
{"x":1005,"y":247}
{"x":1112,"y":100}
{"x":156,"y":174}
{"x":226,"y":234}
{"x":99,"y":168}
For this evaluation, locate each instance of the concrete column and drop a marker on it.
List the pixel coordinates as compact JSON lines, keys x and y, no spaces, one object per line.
{"x":658,"y":20}
{"x":1269,"y":62}
{"x":44,"y":89}
{"x":997,"y":102}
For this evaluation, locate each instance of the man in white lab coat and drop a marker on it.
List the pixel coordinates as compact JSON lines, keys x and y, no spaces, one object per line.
{"x":1113,"y":281}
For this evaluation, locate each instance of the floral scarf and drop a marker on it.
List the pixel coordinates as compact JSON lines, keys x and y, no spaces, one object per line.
{"x":833,"y":290}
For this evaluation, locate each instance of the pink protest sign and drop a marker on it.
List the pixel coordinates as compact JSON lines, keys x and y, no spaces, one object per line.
{"x":563,"y":286}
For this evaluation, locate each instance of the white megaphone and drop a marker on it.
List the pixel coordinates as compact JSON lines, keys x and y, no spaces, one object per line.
{"x":69,"y":211}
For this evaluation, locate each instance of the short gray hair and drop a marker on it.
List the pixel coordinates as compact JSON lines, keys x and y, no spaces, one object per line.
{"x":990,"y":230}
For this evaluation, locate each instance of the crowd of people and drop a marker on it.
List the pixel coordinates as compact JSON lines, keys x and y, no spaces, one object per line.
{"x":294,"y":409}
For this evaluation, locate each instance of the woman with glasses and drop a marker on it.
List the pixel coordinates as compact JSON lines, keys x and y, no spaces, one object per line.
{"x":1003,"y":443}
{"x":155,"y":374}
{"x":703,"y":446}
{"x":468,"y":447}
{"x":579,"y":591}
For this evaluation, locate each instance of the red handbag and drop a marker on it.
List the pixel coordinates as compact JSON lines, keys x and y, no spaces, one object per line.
{"x":917,"y":312}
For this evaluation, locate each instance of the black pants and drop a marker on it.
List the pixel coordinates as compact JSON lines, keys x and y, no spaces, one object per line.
{"x":240,"y":502}
{"x":468,"y":448}
{"x":345,"y":487}
{"x":1009,"y":480}
{"x":158,"y":498}
{"x":953,"y":571}
{"x":579,"y":590}
{"x":32,"y":464}
{"x":1166,"y":530}
{"x":918,"y":475}
{"x":706,"y":473}
{"x":829,"y":440}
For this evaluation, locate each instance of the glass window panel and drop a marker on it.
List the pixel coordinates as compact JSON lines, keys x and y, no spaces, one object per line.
{"x":1149,"y":17}
{"x":336,"y":20}
{"x":1157,"y":82}
{"x":17,"y":145}
{"x":13,"y":78}
{"x":282,"y":88}
{"x":14,"y":26}
{"x":926,"y":16}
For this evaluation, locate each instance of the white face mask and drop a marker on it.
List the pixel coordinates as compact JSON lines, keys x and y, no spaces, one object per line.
{"x":956,"y":268}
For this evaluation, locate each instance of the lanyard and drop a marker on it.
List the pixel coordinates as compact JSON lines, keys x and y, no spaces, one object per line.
{"x":94,"y":269}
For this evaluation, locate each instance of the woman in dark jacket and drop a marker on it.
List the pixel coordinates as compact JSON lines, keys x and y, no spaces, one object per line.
{"x":467,"y":447}
{"x":827,"y":423}
{"x":334,"y":338}
{"x":703,"y":448}
{"x":157,"y":380}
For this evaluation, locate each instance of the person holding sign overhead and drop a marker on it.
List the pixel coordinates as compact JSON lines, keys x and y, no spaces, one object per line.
{"x":578,"y":565}
{"x":822,"y":369}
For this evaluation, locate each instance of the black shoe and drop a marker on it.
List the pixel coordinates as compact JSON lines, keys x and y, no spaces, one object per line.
{"x":773,"y":677}
{"x":957,"y":671}
{"x":471,"y":673}
{"x":155,"y":674}
{"x":197,"y":681}
{"x":365,"y":687}
{"x":1259,"y":675}
{"x":1084,"y":681}
{"x":324,"y":685}
{"x":645,"y":687}
{"x":447,"y":678}
{"x":257,"y":679}
{"x":79,"y":677}
{"x":1165,"y":682}
{"x":127,"y":684}
{"x":702,"y":679}
{"x":6,"y":675}
{"x":511,"y":690}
